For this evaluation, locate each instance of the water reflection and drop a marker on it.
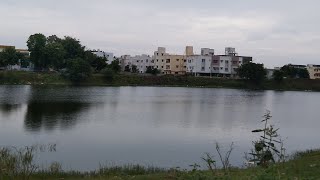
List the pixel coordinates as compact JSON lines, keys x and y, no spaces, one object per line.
{"x":8,"y":109}
{"x":51,"y":115}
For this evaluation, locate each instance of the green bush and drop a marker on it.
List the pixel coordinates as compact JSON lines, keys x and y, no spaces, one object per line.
{"x":108,"y":74}
{"x":78,"y":70}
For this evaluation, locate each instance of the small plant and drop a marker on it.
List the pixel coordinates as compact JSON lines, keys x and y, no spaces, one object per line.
{"x":211,"y":164}
{"x":225,"y":159}
{"x":267,"y":146}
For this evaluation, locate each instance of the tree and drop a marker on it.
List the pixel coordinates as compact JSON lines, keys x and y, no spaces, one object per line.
{"x":9,"y":56}
{"x":73,"y":48}
{"x":253,"y":72}
{"x":36,"y":45}
{"x":53,"y":39}
{"x":289,"y":71}
{"x":151,"y":70}
{"x":134,"y":69}
{"x":108,"y":74}
{"x":303,"y":73}
{"x":78,"y":69}
{"x":98,"y":63}
{"x":115,"y":66}
{"x":127,"y":68}
{"x":54,"y":55}
{"x":278,"y":75}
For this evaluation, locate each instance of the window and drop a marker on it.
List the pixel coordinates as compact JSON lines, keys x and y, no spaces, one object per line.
{"x":168,"y":67}
{"x":147,"y":60}
{"x":162,"y":54}
{"x":240,"y":62}
{"x":222,"y":61}
{"x":168,"y":61}
{"x":215,"y":61}
{"x":203,"y":60}
{"x":227,"y":69}
{"x":184,"y":66}
{"x":152,"y":61}
{"x":157,"y":60}
{"x":137,"y":60}
{"x":177,"y":66}
{"x":221,"y":68}
{"x":202,"y":68}
{"x":142,"y":61}
{"x":227,"y":62}
{"x":177,"y":60}
{"x":185,"y":60}
{"x":162,"y":67}
{"x":176,"y":72}
{"x":162,"y":60}
{"x":157,"y":66}
{"x":157,"y":54}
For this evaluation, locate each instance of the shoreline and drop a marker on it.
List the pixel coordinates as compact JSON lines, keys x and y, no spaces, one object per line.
{"x":134,"y":80}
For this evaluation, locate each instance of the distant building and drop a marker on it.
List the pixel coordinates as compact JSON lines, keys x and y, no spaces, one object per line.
{"x":209,"y":64}
{"x":314,"y":71}
{"x":108,"y":55}
{"x":23,"y":64}
{"x":159,"y":57}
{"x":142,"y":62}
{"x":2,"y":47}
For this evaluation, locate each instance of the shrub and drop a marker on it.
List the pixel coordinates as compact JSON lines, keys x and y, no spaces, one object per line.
{"x":78,"y":70}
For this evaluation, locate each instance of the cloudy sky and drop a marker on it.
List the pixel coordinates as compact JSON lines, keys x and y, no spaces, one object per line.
{"x":274,"y":32}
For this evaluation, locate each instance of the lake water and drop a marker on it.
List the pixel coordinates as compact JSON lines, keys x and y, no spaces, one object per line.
{"x":160,"y":126}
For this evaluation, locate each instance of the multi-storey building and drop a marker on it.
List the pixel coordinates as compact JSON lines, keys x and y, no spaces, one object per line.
{"x":159,"y":58}
{"x":142,"y":62}
{"x":207,"y":63}
{"x":109,"y":56}
{"x":314,"y":71}
{"x":175,"y":64}
{"x":169,"y":63}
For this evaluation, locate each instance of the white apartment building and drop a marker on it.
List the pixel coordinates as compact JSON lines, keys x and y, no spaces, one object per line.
{"x":142,"y":62}
{"x":108,"y":55}
{"x":215,"y":65}
{"x":314,"y":71}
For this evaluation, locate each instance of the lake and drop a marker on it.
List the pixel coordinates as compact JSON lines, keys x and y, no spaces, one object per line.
{"x":160,"y":126}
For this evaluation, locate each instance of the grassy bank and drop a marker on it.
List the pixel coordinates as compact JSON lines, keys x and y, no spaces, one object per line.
{"x":137,"y":80}
{"x":303,"y":165}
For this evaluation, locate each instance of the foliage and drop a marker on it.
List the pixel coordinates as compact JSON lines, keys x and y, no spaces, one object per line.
{"x":54,"y":54}
{"x":303,"y":73}
{"x":19,"y":162}
{"x":268,"y":144}
{"x":127,"y":68}
{"x":115,"y":66}
{"x":290,"y":71}
{"x":9,"y":56}
{"x":73,"y":48}
{"x":278,"y":76}
{"x":253,"y":72}
{"x":78,"y":70}
{"x":134,"y":69}
{"x":108,"y":74}
{"x":151,"y":70}
{"x":98,"y":63}
{"x":36,"y":45}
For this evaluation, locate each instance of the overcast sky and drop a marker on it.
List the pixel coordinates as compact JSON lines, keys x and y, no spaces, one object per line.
{"x":274,"y":32}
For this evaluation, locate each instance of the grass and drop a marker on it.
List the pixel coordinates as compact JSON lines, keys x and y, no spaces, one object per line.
{"x":16,"y":77}
{"x":17,"y":164}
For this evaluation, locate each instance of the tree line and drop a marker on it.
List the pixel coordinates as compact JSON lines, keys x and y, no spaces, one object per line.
{"x":257,"y":73}
{"x":68,"y":56}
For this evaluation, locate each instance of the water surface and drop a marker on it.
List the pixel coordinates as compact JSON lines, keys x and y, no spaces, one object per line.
{"x":161,"y":126}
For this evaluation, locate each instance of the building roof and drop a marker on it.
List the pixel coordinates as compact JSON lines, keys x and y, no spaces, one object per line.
{"x":6,"y":46}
